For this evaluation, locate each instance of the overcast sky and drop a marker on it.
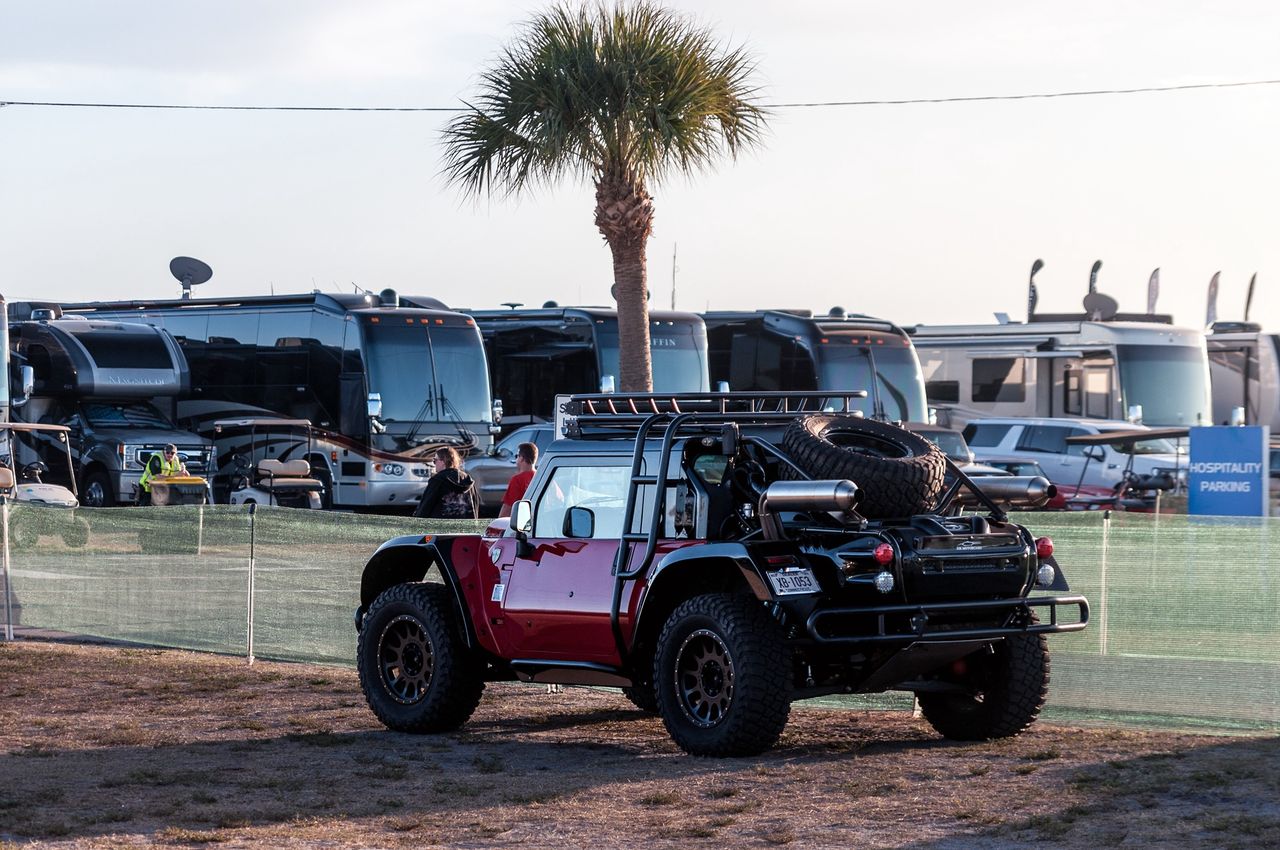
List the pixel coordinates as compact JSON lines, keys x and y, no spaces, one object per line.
{"x":917,"y":213}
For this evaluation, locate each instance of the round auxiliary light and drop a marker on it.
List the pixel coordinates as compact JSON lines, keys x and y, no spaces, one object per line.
{"x":884,"y":581}
{"x":1044,"y":547}
{"x":883,"y":554}
{"x":1045,"y":575}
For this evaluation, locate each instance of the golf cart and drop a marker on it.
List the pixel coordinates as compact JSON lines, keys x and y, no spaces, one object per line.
{"x":27,"y":487}
{"x":1137,"y":491}
{"x":258,"y":477}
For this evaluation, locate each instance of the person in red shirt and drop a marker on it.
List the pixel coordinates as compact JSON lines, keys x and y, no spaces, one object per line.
{"x":526,"y":465}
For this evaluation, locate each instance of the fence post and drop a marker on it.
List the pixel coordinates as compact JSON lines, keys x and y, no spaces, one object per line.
{"x":200,"y":530}
{"x":8,"y":577}
{"x":252,"y":565}
{"x":1102,"y":590}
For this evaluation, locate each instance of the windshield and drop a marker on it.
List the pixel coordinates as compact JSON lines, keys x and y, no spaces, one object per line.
{"x":951,"y":443}
{"x":677,"y":350}
{"x":139,"y":414}
{"x":1170,"y":382}
{"x":844,"y":363}
{"x":427,"y":376}
{"x":1159,"y":446}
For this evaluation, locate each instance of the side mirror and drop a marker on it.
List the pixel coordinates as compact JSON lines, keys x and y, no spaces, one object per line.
{"x":373,"y":405}
{"x":522,"y":517}
{"x":579,"y":522}
{"x":1095,"y":453}
{"x":504,"y":453}
{"x":28,"y":377}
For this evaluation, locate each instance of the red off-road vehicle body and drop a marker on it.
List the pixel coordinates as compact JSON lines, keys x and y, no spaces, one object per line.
{"x":692,"y":559}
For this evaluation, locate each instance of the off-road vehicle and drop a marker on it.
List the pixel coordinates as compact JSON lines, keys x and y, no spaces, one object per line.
{"x":717,"y":557}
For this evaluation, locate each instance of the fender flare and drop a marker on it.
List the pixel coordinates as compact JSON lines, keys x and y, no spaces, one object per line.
{"x":670,"y":564}
{"x":409,"y":558}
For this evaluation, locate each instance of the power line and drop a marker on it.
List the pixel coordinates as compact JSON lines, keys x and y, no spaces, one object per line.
{"x":797,"y":105}
{"x":1032,"y":96}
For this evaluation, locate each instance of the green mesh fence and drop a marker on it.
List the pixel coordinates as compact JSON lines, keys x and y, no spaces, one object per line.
{"x":1183,"y":630}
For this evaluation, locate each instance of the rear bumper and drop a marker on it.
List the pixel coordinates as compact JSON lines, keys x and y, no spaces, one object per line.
{"x":945,"y":620}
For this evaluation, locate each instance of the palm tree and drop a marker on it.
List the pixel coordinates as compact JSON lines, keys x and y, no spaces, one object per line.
{"x":624,"y":96}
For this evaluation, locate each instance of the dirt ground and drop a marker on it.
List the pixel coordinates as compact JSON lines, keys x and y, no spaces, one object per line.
{"x":115,"y":747}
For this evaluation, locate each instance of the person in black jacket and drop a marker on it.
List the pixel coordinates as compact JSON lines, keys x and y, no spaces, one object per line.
{"x":451,"y":493}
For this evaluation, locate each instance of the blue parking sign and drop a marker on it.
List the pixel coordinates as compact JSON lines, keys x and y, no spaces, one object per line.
{"x":1229,"y":471}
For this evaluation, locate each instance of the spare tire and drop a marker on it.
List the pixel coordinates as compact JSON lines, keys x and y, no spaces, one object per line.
{"x":898,"y":472}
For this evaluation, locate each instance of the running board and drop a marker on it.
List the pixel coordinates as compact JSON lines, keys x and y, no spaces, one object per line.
{"x":569,"y":673}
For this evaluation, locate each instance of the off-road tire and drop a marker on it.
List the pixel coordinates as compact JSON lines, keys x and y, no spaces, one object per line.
{"x":898,"y":473}
{"x":415,"y":668}
{"x":97,"y":491}
{"x":642,"y":697}
{"x":1010,"y":687}
{"x":722,"y":676}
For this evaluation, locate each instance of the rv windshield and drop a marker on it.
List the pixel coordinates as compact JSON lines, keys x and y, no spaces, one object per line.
{"x":844,"y":363}
{"x":437,"y":379}
{"x":138,"y":414}
{"x":1170,"y":382}
{"x":677,"y":351}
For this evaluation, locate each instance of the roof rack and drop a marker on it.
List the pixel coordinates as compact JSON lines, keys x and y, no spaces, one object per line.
{"x":617,"y":414}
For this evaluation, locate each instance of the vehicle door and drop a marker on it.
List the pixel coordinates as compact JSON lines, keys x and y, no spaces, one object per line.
{"x":1047,"y":445}
{"x":555,"y":602}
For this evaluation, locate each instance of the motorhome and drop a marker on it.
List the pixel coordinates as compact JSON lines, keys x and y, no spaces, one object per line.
{"x":384,"y":379}
{"x":1134,"y":367}
{"x":112,"y":384}
{"x":1244,"y":369}
{"x":536,"y":353}
{"x":795,"y":351}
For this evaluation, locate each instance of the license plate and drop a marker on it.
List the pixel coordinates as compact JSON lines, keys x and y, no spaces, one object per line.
{"x":797,"y":580}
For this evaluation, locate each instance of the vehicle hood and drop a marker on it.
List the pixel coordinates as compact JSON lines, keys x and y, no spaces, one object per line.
{"x":182,"y":439}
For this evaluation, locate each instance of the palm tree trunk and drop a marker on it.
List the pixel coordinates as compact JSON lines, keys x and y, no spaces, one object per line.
{"x":624,"y":214}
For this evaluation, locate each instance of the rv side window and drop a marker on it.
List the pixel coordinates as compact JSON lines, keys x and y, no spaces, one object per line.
{"x":1050,"y":439}
{"x":1071,"y":393}
{"x":127,"y":350}
{"x":985,"y":435}
{"x":943,"y":391}
{"x":998,"y":379}
{"x":1097,"y":393}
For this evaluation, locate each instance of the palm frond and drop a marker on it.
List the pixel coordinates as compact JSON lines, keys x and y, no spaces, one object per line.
{"x":632,"y":89}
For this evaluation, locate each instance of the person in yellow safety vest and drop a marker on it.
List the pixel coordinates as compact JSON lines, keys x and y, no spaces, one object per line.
{"x":165,"y":462}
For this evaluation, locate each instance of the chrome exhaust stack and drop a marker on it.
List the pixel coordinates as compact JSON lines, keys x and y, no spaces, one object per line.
{"x":839,"y":496}
{"x":1019,"y":491}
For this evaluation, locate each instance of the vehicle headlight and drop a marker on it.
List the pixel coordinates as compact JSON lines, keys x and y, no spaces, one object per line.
{"x":392,"y":469}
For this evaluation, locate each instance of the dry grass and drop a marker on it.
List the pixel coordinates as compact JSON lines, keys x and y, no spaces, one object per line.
{"x":110,"y":747}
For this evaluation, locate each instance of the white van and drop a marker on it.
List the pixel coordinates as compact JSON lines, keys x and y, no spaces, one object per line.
{"x":1044,"y":440}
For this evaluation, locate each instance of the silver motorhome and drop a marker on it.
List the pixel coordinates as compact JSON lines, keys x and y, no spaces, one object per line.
{"x":107,"y":381}
{"x":1134,"y":367}
{"x":1244,"y":369}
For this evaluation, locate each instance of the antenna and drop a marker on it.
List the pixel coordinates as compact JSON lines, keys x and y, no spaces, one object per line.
{"x":1093,"y":276}
{"x":1153,"y":291}
{"x":190,"y":272}
{"x":1033,"y":296}
{"x":1211,"y":307}
{"x":1248,"y":300}
{"x":673,"y":275}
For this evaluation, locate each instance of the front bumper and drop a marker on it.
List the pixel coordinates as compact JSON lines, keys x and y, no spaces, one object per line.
{"x":977,"y":619}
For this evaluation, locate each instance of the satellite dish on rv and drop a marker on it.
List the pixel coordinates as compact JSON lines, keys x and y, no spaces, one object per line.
{"x":190,"y":272}
{"x":1100,"y":307}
